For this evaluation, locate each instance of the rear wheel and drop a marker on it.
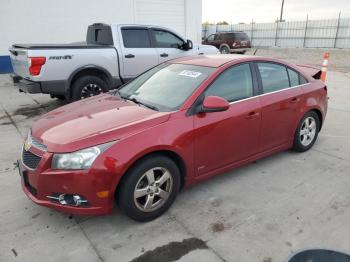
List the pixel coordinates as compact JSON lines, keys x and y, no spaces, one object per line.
{"x":88,"y":86}
{"x":307,"y":132}
{"x":149,"y":188}
{"x":224,"y":50}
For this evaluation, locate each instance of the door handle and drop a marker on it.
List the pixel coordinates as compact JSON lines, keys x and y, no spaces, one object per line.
{"x":164,"y":55}
{"x":129,"y":56}
{"x":252,"y":115}
{"x":294,"y":100}
{"x":200,"y":53}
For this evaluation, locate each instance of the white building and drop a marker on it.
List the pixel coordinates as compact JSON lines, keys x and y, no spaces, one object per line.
{"x":64,"y":21}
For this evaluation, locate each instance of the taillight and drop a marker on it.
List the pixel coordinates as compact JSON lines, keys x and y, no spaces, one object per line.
{"x":35,"y":64}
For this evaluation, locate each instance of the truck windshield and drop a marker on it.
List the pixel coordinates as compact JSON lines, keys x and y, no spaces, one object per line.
{"x":167,"y":86}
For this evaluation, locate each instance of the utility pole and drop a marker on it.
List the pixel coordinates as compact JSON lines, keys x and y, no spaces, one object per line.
{"x":281,"y":17}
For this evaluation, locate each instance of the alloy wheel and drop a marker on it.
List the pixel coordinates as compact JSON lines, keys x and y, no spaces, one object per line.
{"x":90,"y":90}
{"x":153,"y":189}
{"x":308,"y":131}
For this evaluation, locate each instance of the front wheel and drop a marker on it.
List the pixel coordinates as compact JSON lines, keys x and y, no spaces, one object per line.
{"x":307,"y":132}
{"x":149,"y":188}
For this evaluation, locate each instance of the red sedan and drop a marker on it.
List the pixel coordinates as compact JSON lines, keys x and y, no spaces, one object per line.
{"x":177,"y":124}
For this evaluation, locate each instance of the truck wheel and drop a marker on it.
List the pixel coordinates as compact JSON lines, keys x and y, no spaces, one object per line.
{"x":149,"y":188}
{"x":87,"y":86}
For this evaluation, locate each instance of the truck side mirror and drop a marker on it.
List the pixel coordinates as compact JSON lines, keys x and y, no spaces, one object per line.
{"x":188,"y":45}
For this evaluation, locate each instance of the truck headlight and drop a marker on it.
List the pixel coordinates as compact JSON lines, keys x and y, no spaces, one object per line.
{"x":81,"y":159}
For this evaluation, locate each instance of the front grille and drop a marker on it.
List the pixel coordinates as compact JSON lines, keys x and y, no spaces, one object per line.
{"x":30,"y":160}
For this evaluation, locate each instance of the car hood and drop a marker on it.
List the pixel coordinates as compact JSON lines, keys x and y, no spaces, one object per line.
{"x":93,"y":121}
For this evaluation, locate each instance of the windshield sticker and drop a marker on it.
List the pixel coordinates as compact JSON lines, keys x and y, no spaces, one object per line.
{"x":189,"y":73}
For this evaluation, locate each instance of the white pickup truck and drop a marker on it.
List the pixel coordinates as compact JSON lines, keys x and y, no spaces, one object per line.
{"x":112,"y":55}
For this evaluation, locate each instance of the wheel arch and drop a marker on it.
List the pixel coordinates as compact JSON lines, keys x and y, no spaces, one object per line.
{"x":88,"y":70}
{"x":226,"y":45}
{"x":320,"y":116}
{"x":312,"y":109}
{"x":179,"y":161}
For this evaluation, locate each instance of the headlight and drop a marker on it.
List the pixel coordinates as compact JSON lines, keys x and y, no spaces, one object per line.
{"x":81,"y":159}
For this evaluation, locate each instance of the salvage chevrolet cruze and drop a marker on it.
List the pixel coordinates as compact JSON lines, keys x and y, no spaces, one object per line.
{"x":179,"y":123}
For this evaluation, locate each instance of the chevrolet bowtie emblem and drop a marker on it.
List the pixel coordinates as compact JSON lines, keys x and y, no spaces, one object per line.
{"x":27,"y":144}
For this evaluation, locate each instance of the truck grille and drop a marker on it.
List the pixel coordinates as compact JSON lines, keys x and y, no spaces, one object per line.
{"x":30,"y":160}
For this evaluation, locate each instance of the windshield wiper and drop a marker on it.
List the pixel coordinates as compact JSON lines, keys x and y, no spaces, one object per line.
{"x":133,"y":99}
{"x":117,"y":92}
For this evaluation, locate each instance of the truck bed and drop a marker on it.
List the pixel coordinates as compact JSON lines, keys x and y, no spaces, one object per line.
{"x":61,"y":46}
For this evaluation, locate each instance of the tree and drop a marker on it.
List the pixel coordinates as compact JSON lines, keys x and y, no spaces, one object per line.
{"x":222,"y":23}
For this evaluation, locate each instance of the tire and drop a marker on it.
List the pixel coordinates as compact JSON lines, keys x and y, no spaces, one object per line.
{"x":224,"y":50}
{"x":134,"y":204}
{"x":87,"y":86}
{"x":304,"y":141}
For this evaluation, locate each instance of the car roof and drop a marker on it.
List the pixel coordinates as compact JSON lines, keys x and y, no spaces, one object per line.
{"x":216,"y":60}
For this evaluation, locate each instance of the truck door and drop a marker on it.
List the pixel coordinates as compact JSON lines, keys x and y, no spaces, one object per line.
{"x":168,"y":45}
{"x":138,"y":55}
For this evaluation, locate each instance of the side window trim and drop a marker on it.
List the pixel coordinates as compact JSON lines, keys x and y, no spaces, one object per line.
{"x":259,"y":80}
{"x":261,"y":88}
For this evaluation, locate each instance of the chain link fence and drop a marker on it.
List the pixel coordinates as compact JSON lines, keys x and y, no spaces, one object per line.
{"x":328,"y":33}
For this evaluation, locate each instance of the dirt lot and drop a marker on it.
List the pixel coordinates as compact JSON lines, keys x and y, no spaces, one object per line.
{"x":338,"y":61}
{"x":261,"y":212}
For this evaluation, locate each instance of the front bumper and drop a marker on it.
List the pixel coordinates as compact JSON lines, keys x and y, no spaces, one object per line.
{"x":38,"y":185}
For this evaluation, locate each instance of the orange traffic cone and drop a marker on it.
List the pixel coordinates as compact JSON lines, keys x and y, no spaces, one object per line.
{"x":324,"y":66}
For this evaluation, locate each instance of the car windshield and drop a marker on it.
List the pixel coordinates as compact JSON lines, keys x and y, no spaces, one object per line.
{"x":165,"y":87}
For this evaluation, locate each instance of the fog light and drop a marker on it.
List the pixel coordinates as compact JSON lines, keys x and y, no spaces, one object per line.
{"x":78,"y":200}
{"x":69,"y":199}
{"x":62,"y":200}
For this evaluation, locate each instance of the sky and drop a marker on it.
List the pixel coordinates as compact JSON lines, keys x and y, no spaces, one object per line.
{"x":261,"y":11}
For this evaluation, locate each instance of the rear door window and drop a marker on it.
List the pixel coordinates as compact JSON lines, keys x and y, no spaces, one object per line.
{"x":217,"y":37}
{"x":211,"y":38}
{"x":241,"y":37}
{"x":274,"y":77}
{"x":228,"y":36}
{"x":302,"y":80}
{"x":136,"y":38}
{"x":233,"y":84}
{"x":293,"y":77}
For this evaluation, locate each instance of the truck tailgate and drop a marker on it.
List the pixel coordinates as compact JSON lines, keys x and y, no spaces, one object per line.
{"x":20,"y":62}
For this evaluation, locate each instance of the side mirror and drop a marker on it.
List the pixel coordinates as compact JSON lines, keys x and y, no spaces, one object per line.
{"x":188,"y":45}
{"x":214,"y":104}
